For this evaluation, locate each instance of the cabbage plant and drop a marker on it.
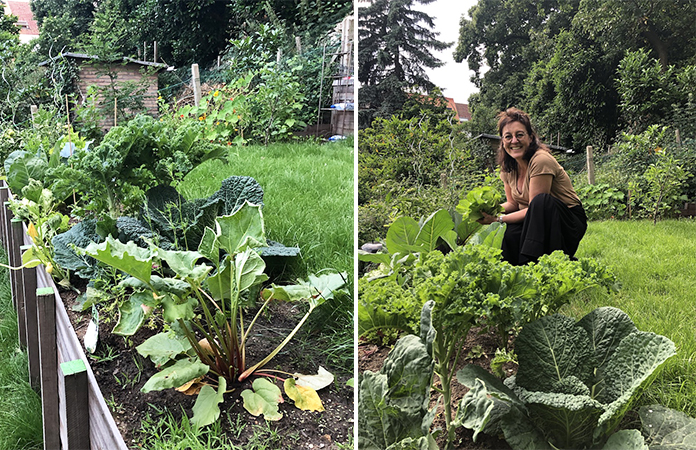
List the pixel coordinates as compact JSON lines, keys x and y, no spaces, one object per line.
{"x":574,"y":384}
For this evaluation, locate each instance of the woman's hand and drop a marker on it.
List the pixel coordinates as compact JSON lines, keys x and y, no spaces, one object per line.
{"x":487,"y":218}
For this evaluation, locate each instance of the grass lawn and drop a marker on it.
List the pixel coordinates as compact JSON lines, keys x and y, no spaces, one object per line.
{"x":655,"y":265}
{"x":20,"y":416}
{"x":308,"y":196}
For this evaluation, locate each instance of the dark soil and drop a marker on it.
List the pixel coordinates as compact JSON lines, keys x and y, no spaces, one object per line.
{"x":120,"y":379}
{"x":371,"y":357}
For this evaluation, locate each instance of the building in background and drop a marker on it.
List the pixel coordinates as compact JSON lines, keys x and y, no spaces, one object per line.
{"x":29,"y":29}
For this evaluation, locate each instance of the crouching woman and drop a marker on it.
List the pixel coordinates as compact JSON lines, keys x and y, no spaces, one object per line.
{"x":542,"y":212}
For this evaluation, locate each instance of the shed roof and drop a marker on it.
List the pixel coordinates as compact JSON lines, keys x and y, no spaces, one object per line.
{"x":84,"y":56}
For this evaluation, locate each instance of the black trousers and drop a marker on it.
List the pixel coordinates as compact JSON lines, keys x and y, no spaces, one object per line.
{"x":548,"y":226}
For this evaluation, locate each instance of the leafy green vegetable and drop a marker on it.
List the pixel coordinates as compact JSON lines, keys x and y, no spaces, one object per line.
{"x":393,"y":404}
{"x":80,"y":235}
{"x":483,"y":198}
{"x":572,"y":387}
{"x":666,"y":428}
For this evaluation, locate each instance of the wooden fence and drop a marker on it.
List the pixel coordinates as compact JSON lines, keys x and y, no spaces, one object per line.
{"x":75,"y":415}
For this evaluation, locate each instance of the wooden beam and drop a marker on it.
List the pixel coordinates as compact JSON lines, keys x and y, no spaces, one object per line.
{"x":74,"y":394}
{"x":49,"y":367}
{"x":17,"y":279}
{"x":32,"y":325}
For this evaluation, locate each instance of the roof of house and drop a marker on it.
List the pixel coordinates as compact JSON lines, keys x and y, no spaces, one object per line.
{"x":25,"y":18}
{"x":463,"y":111}
{"x":85,"y":56}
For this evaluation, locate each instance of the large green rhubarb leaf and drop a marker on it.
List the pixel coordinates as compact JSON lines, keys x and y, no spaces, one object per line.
{"x":133,"y":313}
{"x":263,"y":399}
{"x":128,"y":258}
{"x":164,"y":347}
{"x":206,"y":409}
{"x":177,"y":374}
{"x":242,"y":229}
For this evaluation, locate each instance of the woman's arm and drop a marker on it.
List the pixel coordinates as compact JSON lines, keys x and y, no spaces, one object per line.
{"x":540,"y":184}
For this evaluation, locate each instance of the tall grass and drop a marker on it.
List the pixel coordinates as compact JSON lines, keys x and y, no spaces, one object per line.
{"x":308,"y":196}
{"x":308,"y":203}
{"x":20,"y":415}
{"x":656,"y":267}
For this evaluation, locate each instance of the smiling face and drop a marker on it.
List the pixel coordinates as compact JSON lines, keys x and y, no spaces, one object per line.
{"x":516,"y":140}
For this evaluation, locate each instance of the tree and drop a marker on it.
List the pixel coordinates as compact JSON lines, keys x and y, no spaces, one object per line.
{"x":664,"y":27}
{"x":509,"y":37}
{"x":396,"y":44}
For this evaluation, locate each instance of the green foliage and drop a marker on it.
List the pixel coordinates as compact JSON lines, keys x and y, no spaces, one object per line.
{"x":665,"y":181}
{"x":572,"y":388}
{"x":397,"y":42}
{"x":393,"y":403}
{"x":481,"y":199}
{"x":667,"y":427}
{"x":601,"y":201}
{"x":133,"y":158}
{"x":649,"y":90}
{"x":173,"y":222}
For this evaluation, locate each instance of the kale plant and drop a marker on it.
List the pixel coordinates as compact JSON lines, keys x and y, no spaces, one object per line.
{"x":133,"y":158}
{"x":393,"y":403}
{"x":574,"y":384}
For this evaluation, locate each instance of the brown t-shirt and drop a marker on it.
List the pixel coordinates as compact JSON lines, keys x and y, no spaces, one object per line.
{"x":543,"y":163}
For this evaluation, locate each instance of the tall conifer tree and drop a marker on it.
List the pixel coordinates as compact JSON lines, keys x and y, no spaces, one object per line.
{"x":396,"y":44}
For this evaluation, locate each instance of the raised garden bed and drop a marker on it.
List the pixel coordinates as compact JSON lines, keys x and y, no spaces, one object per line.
{"x":116,"y":373}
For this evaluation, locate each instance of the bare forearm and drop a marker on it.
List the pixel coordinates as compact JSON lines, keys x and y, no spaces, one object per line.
{"x":514,"y":217}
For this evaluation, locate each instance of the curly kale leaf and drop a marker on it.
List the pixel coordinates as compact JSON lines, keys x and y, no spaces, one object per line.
{"x":235,"y":190}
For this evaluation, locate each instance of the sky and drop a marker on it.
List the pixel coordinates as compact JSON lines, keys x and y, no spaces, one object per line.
{"x":452,"y":78}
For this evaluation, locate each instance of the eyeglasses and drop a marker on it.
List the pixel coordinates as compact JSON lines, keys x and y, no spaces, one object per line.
{"x":519,"y":136}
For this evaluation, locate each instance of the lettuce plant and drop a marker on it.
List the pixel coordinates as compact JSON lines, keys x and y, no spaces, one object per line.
{"x":574,"y":384}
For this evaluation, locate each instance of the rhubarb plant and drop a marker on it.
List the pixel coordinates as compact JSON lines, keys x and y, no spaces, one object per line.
{"x":205,"y":295}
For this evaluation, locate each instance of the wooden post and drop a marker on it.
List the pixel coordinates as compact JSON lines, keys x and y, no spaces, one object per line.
{"x":196,"y":81}
{"x":74,"y":395}
{"x":298,"y":45}
{"x":32,"y":325}
{"x":154,"y":51}
{"x":33,"y":109}
{"x":115,"y":110}
{"x":279,"y":54}
{"x":678,"y":137}
{"x":17,"y":280}
{"x":590,"y":166}
{"x":144,"y":51}
{"x":49,"y":367}
{"x":4,"y":195}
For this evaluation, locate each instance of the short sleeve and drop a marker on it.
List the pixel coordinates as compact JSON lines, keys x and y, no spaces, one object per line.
{"x":543,"y":163}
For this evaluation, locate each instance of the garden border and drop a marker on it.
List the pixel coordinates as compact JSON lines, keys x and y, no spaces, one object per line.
{"x":40,"y":308}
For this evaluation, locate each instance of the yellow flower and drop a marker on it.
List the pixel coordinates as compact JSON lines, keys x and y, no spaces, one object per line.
{"x":216,"y":94}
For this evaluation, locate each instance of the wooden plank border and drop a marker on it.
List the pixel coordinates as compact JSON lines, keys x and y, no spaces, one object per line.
{"x":103,"y":432}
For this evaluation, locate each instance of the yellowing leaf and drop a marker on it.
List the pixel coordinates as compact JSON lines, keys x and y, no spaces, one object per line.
{"x":31,"y":231}
{"x":193,"y":387}
{"x":305,"y":398}
{"x":319,"y":381}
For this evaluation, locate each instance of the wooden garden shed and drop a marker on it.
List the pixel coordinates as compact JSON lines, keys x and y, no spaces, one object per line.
{"x":94,"y":72}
